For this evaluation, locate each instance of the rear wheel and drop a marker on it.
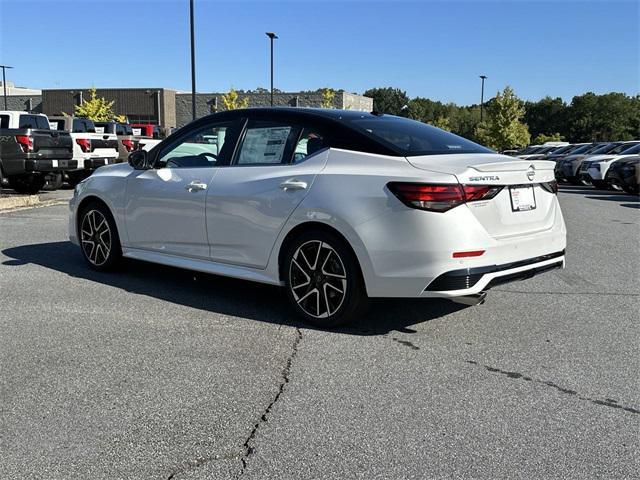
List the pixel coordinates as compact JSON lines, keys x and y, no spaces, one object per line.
{"x":630,"y":190}
{"x":53,"y":182}
{"x":323,"y":280}
{"x":98,"y":236}
{"x":28,"y":184}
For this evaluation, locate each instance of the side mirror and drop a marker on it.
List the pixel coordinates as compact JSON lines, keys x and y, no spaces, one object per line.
{"x":138,"y":160}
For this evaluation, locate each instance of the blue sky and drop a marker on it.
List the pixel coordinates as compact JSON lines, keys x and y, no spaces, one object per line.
{"x":431,"y":49}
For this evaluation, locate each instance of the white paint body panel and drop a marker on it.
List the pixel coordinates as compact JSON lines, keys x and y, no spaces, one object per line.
{"x":238,"y":226}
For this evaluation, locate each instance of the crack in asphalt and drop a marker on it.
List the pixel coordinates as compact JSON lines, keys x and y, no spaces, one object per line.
{"x":248,"y":444}
{"x":247,"y":448}
{"x":607,"y":402}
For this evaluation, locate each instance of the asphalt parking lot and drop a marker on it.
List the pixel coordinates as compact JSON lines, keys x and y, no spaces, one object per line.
{"x":160,"y":373}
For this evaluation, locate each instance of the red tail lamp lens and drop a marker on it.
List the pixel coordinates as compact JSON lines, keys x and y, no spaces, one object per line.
{"x":128,"y":144}
{"x":440,"y":197}
{"x":85,"y":144}
{"x":25,"y":142}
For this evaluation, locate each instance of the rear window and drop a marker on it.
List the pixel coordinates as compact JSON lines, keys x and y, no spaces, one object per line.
{"x":122,"y":129}
{"x":56,"y":124}
{"x":4,"y":121}
{"x":82,"y":125}
{"x":414,"y":138}
{"x":28,"y":121}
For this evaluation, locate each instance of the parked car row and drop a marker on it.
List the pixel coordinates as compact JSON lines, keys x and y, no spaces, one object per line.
{"x":603,"y":165}
{"x":37,"y":151}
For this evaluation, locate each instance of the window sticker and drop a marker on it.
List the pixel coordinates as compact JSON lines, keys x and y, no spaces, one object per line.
{"x":264,"y":145}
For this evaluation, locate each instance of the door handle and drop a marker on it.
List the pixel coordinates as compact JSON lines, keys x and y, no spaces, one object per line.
{"x":196,"y":186}
{"x":293,"y":184}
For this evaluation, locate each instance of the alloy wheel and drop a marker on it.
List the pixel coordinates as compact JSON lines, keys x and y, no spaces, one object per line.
{"x":317,"y":279}
{"x":95,"y":237}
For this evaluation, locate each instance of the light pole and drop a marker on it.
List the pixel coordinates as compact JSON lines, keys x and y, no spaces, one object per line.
{"x":272,"y":36}
{"x":193,"y":63}
{"x":4,"y":84}
{"x":483,"y":77}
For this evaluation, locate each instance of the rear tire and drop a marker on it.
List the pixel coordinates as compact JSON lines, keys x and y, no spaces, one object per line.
{"x":53,"y":182}
{"x":323,"y":281}
{"x":28,"y":184}
{"x":631,"y":190}
{"x":98,"y":237}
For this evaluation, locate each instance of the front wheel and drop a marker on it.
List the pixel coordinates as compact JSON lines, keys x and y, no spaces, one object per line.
{"x":98,"y":237}
{"x":323,"y":280}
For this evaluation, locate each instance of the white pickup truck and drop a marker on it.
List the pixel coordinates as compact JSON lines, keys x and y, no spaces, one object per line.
{"x":92,"y":150}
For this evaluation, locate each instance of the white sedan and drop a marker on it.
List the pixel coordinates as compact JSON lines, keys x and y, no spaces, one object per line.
{"x":334,"y":206}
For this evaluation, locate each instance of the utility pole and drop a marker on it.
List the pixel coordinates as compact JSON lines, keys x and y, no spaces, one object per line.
{"x":193,"y":63}
{"x":4,"y":84}
{"x":272,"y":36}
{"x":483,"y":77}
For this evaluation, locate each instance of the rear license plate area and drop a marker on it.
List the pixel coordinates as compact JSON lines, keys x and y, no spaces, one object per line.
{"x":523,"y":198}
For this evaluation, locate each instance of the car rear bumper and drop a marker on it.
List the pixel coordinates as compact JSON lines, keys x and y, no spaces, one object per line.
{"x":471,"y":281}
{"x":49,"y":165}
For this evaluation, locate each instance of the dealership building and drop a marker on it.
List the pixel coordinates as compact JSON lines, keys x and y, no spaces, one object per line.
{"x":166,"y":107}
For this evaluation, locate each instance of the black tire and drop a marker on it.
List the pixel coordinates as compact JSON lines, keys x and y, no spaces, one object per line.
{"x":630,"y":190}
{"x":334,"y":275}
{"x":53,"y":182}
{"x":98,"y":237}
{"x":28,"y":184}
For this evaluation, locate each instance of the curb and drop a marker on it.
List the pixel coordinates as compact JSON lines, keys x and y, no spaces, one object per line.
{"x":19,"y":201}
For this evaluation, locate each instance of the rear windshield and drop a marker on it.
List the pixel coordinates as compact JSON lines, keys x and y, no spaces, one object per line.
{"x":33,"y":121}
{"x":413,"y":138}
{"x":81,"y":125}
{"x":56,"y":124}
{"x":123,"y":129}
{"x":4,"y":121}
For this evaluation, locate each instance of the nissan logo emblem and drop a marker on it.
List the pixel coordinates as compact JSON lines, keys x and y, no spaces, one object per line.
{"x":531,"y":172}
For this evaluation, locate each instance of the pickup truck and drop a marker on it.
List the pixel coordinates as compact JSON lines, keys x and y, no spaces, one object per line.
{"x":90,"y":149}
{"x":30,"y":152}
{"x":127,"y":143}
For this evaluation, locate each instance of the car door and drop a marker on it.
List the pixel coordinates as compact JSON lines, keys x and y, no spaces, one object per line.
{"x":165,"y":208}
{"x":249,"y":201}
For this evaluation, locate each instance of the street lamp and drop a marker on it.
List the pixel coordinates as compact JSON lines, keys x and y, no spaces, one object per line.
{"x":272,"y":36}
{"x":483,"y":77}
{"x":4,"y":84}
{"x":193,"y":63}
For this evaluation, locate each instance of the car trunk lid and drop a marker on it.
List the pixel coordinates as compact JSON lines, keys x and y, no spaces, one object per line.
{"x":522,"y":207}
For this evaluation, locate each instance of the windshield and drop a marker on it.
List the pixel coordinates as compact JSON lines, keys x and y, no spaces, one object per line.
{"x":632,"y":150}
{"x":565,"y":149}
{"x":413,"y":138}
{"x":624,"y":148}
{"x":604,"y":148}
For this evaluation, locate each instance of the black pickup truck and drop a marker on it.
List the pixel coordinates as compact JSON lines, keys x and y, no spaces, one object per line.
{"x":31,"y":153}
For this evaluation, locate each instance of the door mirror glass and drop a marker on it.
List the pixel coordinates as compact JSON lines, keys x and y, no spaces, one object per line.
{"x":138,"y":160}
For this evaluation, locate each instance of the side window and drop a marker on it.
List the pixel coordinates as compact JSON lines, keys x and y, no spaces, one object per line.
{"x":207,"y":147}
{"x":311,"y":140}
{"x":89,"y":126}
{"x":267,"y":143}
{"x":4,"y":121}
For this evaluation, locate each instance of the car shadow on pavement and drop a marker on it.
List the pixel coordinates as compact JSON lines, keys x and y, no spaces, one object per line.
{"x":222,"y":295}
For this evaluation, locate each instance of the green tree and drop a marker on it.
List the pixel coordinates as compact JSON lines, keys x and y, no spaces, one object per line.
{"x":442,"y":123}
{"x":328,"y":96}
{"x":231,"y":100}
{"x":388,"y":100}
{"x":546,"y":116}
{"x":96,"y":108}
{"x":541,"y":138}
{"x":612,"y":116}
{"x":503,"y":128}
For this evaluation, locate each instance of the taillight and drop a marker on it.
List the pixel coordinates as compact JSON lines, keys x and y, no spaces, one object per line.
{"x":25,"y":142}
{"x":85,"y":144}
{"x":440,"y":197}
{"x":551,"y":187}
{"x":128,"y":144}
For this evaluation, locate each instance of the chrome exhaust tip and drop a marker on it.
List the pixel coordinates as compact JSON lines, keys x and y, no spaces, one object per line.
{"x":472,"y":300}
